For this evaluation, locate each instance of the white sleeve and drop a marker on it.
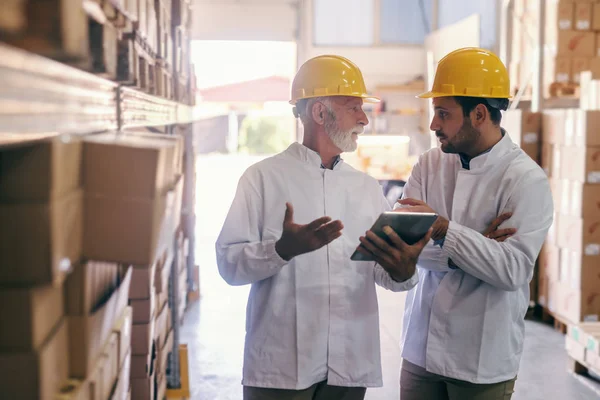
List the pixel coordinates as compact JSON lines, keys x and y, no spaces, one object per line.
{"x":507,"y":265}
{"x":242,"y":256}
{"x":382,"y":278}
{"x":432,"y":257}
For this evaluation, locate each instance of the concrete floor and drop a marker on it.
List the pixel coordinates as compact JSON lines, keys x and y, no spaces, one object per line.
{"x":214,"y":327}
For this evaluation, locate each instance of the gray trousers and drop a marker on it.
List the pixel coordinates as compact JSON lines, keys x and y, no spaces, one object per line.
{"x":418,"y":384}
{"x":318,"y":391}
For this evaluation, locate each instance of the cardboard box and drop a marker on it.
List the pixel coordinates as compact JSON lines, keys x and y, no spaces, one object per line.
{"x":122,"y":387}
{"x":88,"y":286}
{"x":123,"y":230}
{"x":139,"y":167}
{"x":566,"y":15}
{"x":580,"y":235}
{"x":131,"y":230}
{"x":576,"y":44}
{"x":549,"y":261}
{"x":583,"y":16}
{"x":581,"y":164}
{"x":142,"y":388}
{"x":579,"y":305}
{"x":554,"y":123}
{"x":524,"y":127}
{"x":40,"y":172}
{"x":575,"y":349}
{"x":585,"y":131}
{"x":142,"y":282}
{"x":161,"y":328}
{"x":90,"y":333}
{"x":596,"y":17}
{"x":142,"y":366}
{"x":143,"y":310}
{"x":163,"y":354}
{"x":28,"y":316}
{"x":37,"y":374}
{"x":584,"y":200}
{"x":39,"y":243}
{"x":123,"y":330}
{"x":142,"y":336}
{"x":578,"y":65}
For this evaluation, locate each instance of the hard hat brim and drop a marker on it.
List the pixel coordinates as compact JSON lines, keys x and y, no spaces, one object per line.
{"x":431,"y":95}
{"x":367,"y":99}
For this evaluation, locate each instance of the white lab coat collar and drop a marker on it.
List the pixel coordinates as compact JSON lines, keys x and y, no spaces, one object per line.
{"x":481,"y":162}
{"x":309,"y":156}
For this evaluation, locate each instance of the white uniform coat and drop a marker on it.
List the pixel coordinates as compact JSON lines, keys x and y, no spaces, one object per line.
{"x":468,"y":323}
{"x":315,"y":317}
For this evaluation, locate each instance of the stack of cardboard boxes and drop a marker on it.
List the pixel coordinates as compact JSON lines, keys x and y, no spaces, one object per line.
{"x":40,"y":242}
{"x":72,"y":327}
{"x":569,"y":285}
{"x":525,"y":129}
{"x":133,"y":218}
{"x":583,"y":345}
{"x":572,"y":38}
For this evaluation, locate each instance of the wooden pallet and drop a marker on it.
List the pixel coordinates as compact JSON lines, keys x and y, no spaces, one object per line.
{"x":560,"y":89}
{"x":546,"y":316}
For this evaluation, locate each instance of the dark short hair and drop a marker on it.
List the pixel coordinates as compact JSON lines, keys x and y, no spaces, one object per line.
{"x":468,"y":104}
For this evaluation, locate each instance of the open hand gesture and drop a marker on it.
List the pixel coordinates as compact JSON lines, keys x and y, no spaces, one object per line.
{"x":299,"y":239}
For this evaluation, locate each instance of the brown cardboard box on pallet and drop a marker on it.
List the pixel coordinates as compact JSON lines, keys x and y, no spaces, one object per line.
{"x":579,"y":234}
{"x":28,"y":316}
{"x":37,"y":374}
{"x":566,"y":15}
{"x":582,"y":200}
{"x":596,"y":17}
{"x":89,"y":333}
{"x":39,"y":242}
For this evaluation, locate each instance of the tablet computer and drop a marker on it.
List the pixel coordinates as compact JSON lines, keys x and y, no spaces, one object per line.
{"x":410,"y":226}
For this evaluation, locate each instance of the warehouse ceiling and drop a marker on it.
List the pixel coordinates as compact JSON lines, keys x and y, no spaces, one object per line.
{"x":245,"y":20}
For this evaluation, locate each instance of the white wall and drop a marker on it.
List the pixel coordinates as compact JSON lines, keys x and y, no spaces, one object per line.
{"x":244,"y":20}
{"x":380,"y":65}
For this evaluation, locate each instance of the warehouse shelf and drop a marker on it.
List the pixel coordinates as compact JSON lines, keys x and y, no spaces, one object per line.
{"x":39,"y":95}
{"x":42,"y":97}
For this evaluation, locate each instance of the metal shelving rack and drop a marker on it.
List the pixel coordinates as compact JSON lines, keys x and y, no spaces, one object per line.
{"x":41,"y":98}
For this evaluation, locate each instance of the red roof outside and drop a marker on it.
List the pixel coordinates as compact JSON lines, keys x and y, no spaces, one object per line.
{"x":272,"y":88}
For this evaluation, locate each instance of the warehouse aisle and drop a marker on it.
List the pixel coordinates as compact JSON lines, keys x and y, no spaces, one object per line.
{"x":214,"y":327}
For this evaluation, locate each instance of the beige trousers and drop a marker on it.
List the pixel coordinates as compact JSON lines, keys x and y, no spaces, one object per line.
{"x":318,"y":391}
{"x":418,"y":384}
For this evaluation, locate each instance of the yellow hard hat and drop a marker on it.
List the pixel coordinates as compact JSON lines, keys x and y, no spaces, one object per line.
{"x":329,"y":75}
{"x":471,"y":72}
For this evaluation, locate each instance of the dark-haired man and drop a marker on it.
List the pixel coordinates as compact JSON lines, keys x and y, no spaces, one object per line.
{"x":464,"y":321}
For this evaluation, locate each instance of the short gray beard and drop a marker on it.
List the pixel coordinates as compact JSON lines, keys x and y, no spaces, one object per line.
{"x":341,"y":139}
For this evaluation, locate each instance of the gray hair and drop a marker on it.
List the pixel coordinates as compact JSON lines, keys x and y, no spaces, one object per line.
{"x":304,"y":107}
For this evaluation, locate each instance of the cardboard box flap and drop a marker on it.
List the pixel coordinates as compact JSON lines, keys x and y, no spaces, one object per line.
{"x":90,"y":333}
{"x":89,"y":286}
